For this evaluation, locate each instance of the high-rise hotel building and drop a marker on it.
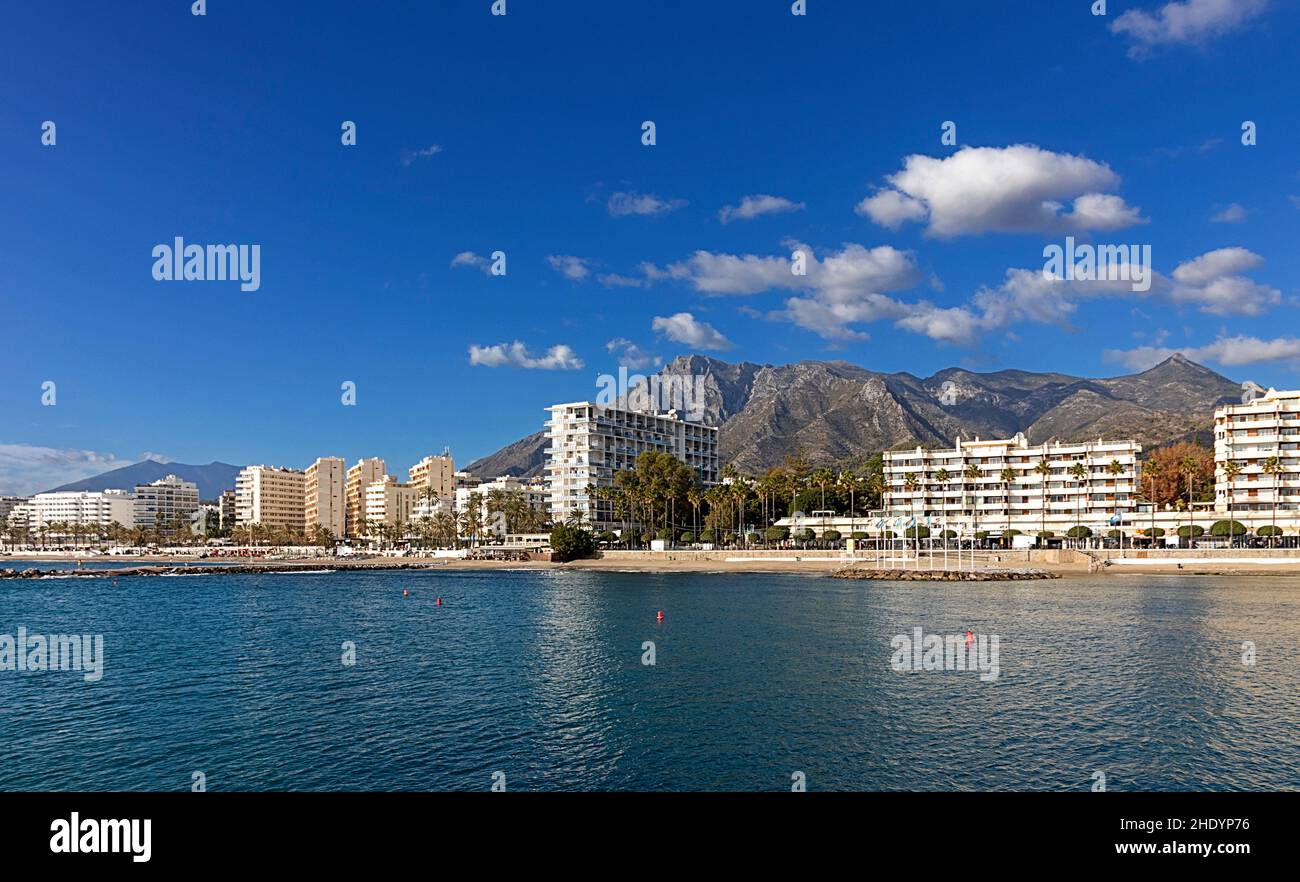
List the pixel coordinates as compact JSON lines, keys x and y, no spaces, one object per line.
{"x":1252,"y":434}
{"x":325,"y":496}
{"x":270,"y":496}
{"x":361,"y":476}
{"x":965,"y":485}
{"x":590,"y":443}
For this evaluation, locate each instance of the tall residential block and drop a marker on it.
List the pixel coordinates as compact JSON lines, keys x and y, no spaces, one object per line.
{"x":270,"y":496}
{"x":325,"y":496}
{"x":361,"y":476}
{"x":589,"y":444}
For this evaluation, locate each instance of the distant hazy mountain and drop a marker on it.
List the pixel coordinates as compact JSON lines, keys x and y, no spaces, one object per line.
{"x":841,"y":414}
{"x":211,"y":478}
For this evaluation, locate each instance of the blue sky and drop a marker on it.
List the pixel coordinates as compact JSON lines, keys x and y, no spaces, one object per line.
{"x":522,"y":133}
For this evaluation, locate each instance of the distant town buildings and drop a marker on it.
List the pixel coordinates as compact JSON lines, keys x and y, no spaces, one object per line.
{"x":589,"y":444}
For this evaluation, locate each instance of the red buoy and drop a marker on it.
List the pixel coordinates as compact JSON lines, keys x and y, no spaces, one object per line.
{"x":406,"y":593}
{"x":439,"y":603}
{"x":660,"y":616}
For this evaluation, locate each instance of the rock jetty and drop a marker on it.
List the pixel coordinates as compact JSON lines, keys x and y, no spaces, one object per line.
{"x":981,"y":575}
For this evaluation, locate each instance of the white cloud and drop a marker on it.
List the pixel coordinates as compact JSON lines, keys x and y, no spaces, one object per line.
{"x":410,"y":156}
{"x":1185,"y":21}
{"x":839,"y":289}
{"x":1213,"y":283}
{"x":685,"y":328}
{"x":646,"y":204}
{"x":614,"y":280}
{"x":1226,"y":351}
{"x":892,"y":209}
{"x":469,"y":258}
{"x":1233,"y":214}
{"x":630,"y":355}
{"x":25,"y":469}
{"x":1016,"y":189}
{"x":557,"y":358}
{"x":155,"y":457}
{"x":572,"y":268}
{"x":756,"y":206}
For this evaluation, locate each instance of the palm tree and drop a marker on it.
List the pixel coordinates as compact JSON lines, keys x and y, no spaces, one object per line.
{"x":1079,"y":472}
{"x":1114,"y":469}
{"x":1008,"y":475}
{"x":911,"y":483}
{"x":970,"y":474}
{"x":1231,"y":469}
{"x":1273,"y":466}
{"x":1044,"y":471}
{"x":1153,"y":470}
{"x":942,"y":478}
{"x":851,"y":484}
{"x":695,"y":496}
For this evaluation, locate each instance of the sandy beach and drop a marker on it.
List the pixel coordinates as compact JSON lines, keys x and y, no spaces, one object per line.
{"x":1064,"y":564}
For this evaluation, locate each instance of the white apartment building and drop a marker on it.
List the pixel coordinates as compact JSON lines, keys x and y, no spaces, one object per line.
{"x":7,"y":505}
{"x":436,"y":474}
{"x":325,"y":496}
{"x":388,"y":502}
{"x":948,"y":490}
{"x":1250,"y":435}
{"x":534,"y":494}
{"x":159,"y":504}
{"x":102,"y":507}
{"x":359,"y":477}
{"x":590,"y":443}
{"x":270,"y":496}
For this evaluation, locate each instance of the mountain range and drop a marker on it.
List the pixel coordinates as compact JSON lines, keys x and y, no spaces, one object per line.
{"x":840,"y":415}
{"x":212,"y":478}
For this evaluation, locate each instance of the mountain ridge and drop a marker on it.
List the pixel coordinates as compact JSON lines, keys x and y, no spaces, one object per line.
{"x":212,"y":478}
{"x":840,"y":414}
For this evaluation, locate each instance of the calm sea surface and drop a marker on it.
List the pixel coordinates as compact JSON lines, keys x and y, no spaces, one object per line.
{"x":539,"y":676}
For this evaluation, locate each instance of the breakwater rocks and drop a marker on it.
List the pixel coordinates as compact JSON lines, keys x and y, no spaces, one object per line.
{"x":874,"y":575}
{"x":208,"y":570}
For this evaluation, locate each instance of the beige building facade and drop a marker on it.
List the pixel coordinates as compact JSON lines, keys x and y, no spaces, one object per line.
{"x":325,"y":496}
{"x":270,"y":496}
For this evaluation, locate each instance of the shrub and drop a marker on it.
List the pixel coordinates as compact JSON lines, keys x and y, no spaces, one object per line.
{"x":1046,"y":534}
{"x":571,"y":543}
{"x":1078,"y":532}
{"x":917,"y":532}
{"x":708,"y":535}
{"x":753,"y":538}
{"x":688,"y":537}
{"x":981,"y":535}
{"x":665,"y":534}
{"x":778,"y":534}
{"x":948,"y":534}
{"x":1115,"y":534}
{"x":1228,"y":528}
{"x":860,"y":536}
{"x":1190,"y":531}
{"x":831,"y":535}
{"x":805,"y":535}
{"x":1269,"y":532}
